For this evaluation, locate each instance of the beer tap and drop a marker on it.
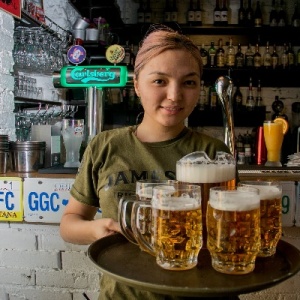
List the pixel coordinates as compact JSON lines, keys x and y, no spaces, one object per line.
{"x":224,"y":86}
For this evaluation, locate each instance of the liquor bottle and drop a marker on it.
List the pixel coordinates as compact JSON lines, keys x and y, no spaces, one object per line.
{"x":141,"y":13}
{"x":242,"y":14}
{"x":250,"y":103}
{"x":259,"y":100}
{"x":212,"y":55}
{"x":174,"y":12}
{"x":274,"y":58}
{"x":204,"y":56}
{"x":237,"y":98}
{"x":247,"y":148}
{"x":127,"y":56}
{"x":249,"y":57}
{"x":191,"y":14}
{"x":291,"y":56}
{"x":217,"y":13}
{"x":213,"y":98}
{"x":258,"y":16}
{"x":148,"y":13}
{"x":296,"y":17}
{"x":298,"y":58}
{"x":167,"y":12}
{"x":239,"y":57}
{"x":257,"y":57}
{"x":267,"y":59}
{"x":240,"y":150}
{"x":284,"y":57}
{"x":230,"y":54}
{"x":249,"y":15}
{"x":281,"y":15}
{"x":220,"y":55}
{"x":198,"y":14}
{"x":273,"y":15}
{"x":224,"y":13}
{"x":202,"y":98}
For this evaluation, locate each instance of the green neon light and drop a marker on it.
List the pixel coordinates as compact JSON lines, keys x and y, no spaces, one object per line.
{"x":95,"y":76}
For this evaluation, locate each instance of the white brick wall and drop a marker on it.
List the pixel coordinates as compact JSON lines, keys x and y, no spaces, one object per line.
{"x":35,"y":263}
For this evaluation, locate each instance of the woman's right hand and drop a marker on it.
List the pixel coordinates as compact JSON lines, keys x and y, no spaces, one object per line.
{"x":78,"y":225}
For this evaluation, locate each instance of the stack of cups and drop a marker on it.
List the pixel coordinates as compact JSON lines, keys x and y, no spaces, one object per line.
{"x":4,"y":151}
{"x":79,"y":27}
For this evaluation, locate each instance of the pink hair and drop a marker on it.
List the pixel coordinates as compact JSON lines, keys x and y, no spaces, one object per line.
{"x":161,"y":40}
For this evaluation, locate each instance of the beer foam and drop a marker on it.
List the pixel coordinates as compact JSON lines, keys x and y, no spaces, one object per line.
{"x":267,"y":191}
{"x":176,"y":203}
{"x":234,"y":200}
{"x":205,"y":173}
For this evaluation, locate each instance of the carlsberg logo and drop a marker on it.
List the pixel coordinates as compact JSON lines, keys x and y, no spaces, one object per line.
{"x":86,"y":75}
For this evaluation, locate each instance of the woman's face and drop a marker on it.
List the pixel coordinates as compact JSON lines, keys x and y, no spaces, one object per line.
{"x":168,"y":87}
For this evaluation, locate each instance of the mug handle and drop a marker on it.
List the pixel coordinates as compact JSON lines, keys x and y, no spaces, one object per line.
{"x":125,"y":228}
{"x":135,"y":225}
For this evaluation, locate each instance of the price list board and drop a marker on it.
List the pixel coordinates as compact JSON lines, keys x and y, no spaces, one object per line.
{"x":11,"y":199}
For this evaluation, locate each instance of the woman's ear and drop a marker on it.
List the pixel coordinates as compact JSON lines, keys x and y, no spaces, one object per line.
{"x":136,"y":86}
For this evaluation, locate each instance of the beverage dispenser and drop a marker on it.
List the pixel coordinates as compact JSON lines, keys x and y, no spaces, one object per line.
{"x":296,"y":127}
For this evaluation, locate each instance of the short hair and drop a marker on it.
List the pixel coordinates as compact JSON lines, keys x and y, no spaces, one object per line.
{"x":162,"y":38}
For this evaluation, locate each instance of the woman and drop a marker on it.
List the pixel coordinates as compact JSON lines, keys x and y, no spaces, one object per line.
{"x":167,"y":77}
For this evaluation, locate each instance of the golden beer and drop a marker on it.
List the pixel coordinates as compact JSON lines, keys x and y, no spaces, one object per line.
{"x":233,"y":229}
{"x":206,"y":173}
{"x":177,"y":236}
{"x":270,"y":215}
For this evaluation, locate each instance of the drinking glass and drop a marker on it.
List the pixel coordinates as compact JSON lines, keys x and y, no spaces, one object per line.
{"x":176,"y":225}
{"x":270,"y":193}
{"x":72,"y":132}
{"x":233,"y":228}
{"x":273,"y":133}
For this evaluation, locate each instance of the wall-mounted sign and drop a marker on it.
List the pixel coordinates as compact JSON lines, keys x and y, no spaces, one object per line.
{"x":11,"y":199}
{"x":45,"y":199}
{"x":95,"y":76}
{"x":12,"y":7}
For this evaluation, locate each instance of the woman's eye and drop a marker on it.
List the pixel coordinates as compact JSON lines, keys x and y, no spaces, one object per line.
{"x":159,"y":81}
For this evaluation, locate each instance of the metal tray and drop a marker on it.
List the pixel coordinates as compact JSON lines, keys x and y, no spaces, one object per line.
{"x":126,"y":263}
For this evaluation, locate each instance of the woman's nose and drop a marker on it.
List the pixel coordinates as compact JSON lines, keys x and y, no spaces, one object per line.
{"x":174,"y":92}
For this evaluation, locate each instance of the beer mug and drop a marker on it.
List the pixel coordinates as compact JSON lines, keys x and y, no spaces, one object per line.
{"x":176,"y":225}
{"x":198,"y":168}
{"x":143,"y":192}
{"x":233,"y":228}
{"x":270,"y":193}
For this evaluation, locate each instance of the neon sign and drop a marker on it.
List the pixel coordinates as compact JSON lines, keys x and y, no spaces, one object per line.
{"x":95,"y":76}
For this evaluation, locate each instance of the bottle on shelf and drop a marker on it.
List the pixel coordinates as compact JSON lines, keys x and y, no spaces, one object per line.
{"x":239,"y":57}
{"x":284,"y":57}
{"x":242,"y":14}
{"x":174,"y":12}
{"x":198,"y":14}
{"x":167,"y":12}
{"x":296,"y":17}
{"x":273,"y":15}
{"x":249,"y":57}
{"x":281,"y":15}
{"x":250,"y":103}
{"x":259,"y":99}
{"x":220,"y":55}
{"x":230,"y":54}
{"x":248,"y":148}
{"x":249,"y":15}
{"x":240,"y":150}
{"x":257,"y":57}
{"x":204,"y":55}
{"x":148,"y":13}
{"x":237,"y":98}
{"x":267,"y":59}
{"x":291,"y":56}
{"x":274,"y":58}
{"x":224,"y":14}
{"x":213,"y":98}
{"x":191,"y":14}
{"x":212,"y":55}
{"x":217,"y":14}
{"x":278,"y":107}
{"x":127,"y":57}
{"x":298,"y":58}
{"x":203,"y":103}
{"x":258,"y":21}
{"x":141,"y":13}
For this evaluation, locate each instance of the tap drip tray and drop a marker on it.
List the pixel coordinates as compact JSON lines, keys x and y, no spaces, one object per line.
{"x":58,"y":169}
{"x":267,"y":171}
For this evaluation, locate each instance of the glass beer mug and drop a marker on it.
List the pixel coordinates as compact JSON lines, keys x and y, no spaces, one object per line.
{"x":198,"y":168}
{"x":176,"y":225}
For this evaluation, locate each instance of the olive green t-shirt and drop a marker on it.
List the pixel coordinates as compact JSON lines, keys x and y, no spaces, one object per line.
{"x":113,"y":161}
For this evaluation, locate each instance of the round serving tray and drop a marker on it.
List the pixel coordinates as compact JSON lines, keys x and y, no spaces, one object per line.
{"x":126,"y":263}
